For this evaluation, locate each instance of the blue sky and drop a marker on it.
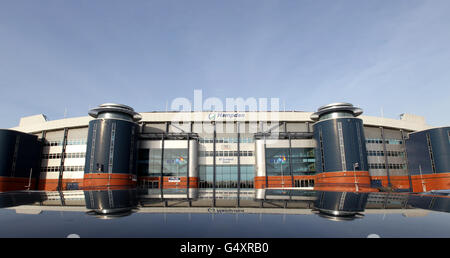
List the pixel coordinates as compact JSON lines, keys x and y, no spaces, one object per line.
{"x":74,"y":55}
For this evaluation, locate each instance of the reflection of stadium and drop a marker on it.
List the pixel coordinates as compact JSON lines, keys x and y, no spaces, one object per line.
{"x":233,"y":155}
{"x":295,"y":202}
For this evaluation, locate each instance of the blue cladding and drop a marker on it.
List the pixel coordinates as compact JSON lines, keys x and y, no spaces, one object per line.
{"x":419,"y":158}
{"x":441,"y":149}
{"x":19,"y":152}
{"x":417,"y":152}
{"x":107,"y":199}
{"x":114,"y":147}
{"x":429,"y":202}
{"x":341,"y":201}
{"x":326,"y":134}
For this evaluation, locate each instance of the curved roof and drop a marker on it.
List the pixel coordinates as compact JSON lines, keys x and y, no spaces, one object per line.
{"x":336,"y":107}
{"x":115,"y":108}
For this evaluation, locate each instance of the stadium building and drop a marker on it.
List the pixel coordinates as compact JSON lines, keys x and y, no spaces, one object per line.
{"x":225,"y":154}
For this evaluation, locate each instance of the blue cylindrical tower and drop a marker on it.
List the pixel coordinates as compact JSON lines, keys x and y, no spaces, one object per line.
{"x":428,"y":153}
{"x":111,"y":147}
{"x":340,"y":204}
{"x":19,"y":160}
{"x":341,"y":156}
{"x":111,"y":201}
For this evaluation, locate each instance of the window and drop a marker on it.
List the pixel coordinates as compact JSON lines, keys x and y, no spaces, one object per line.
{"x":75,"y":155}
{"x":149,"y":184}
{"x":225,"y":153}
{"x":226,"y":176}
{"x":383,"y":166}
{"x":304,"y":183}
{"x":387,"y":141}
{"x":74,"y":168}
{"x":278,"y":161}
{"x":65,"y":169}
{"x":77,"y":142}
{"x":174,"y":164}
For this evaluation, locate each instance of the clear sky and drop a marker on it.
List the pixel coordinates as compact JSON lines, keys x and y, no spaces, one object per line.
{"x":390,"y":55}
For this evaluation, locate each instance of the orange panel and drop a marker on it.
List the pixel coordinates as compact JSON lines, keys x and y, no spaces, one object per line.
{"x":397,"y":182}
{"x":102,"y":180}
{"x":278,"y":181}
{"x":16,"y":184}
{"x":348,"y":181}
{"x":52,"y":184}
{"x":424,"y":183}
{"x":193,"y":182}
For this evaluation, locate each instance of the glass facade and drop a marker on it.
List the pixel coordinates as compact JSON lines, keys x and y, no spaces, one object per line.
{"x":278,"y":161}
{"x":227,"y":140}
{"x":387,"y":153}
{"x":380,"y":141}
{"x":69,"y":142}
{"x":225,"y":153}
{"x":226,"y":176}
{"x":175,"y":162}
{"x":383,"y":166}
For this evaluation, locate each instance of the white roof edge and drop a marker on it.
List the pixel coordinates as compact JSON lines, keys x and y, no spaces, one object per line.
{"x":35,"y":124}
{"x":30,"y":127}
{"x":411,"y":125}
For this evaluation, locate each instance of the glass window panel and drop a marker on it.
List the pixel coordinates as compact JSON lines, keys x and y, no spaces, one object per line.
{"x":226,"y":176}
{"x":278,"y":161}
{"x":175,"y":162}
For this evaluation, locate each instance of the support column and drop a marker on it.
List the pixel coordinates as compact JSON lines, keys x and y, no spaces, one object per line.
{"x":63,"y":157}
{"x":265,"y":164}
{"x":214,"y":165}
{"x":290,"y":161}
{"x":406,"y":161}
{"x":38,"y":177}
{"x":238,"y":164}
{"x":188,"y":166}
{"x":161,"y":175}
{"x":386,"y":162}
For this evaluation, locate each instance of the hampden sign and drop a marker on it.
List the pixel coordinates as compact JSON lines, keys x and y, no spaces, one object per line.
{"x":233,"y":107}
{"x":216,"y":116}
{"x":261,"y":110}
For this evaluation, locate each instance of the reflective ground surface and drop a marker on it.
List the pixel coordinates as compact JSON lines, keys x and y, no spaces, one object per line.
{"x":283,"y":213}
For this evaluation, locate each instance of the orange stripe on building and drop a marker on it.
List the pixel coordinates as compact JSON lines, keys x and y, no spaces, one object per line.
{"x":428,"y":182}
{"x":183,"y":182}
{"x":52,"y":184}
{"x":16,"y":184}
{"x":102,"y":180}
{"x":279,"y":181}
{"x":397,"y":182}
{"x":346,"y":181}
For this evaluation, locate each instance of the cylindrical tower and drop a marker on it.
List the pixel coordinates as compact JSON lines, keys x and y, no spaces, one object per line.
{"x":434,"y":202}
{"x":19,"y":160}
{"x":108,"y":201}
{"x":428,"y":153}
{"x":111,"y":147}
{"x":340,"y":204}
{"x":341,"y":156}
